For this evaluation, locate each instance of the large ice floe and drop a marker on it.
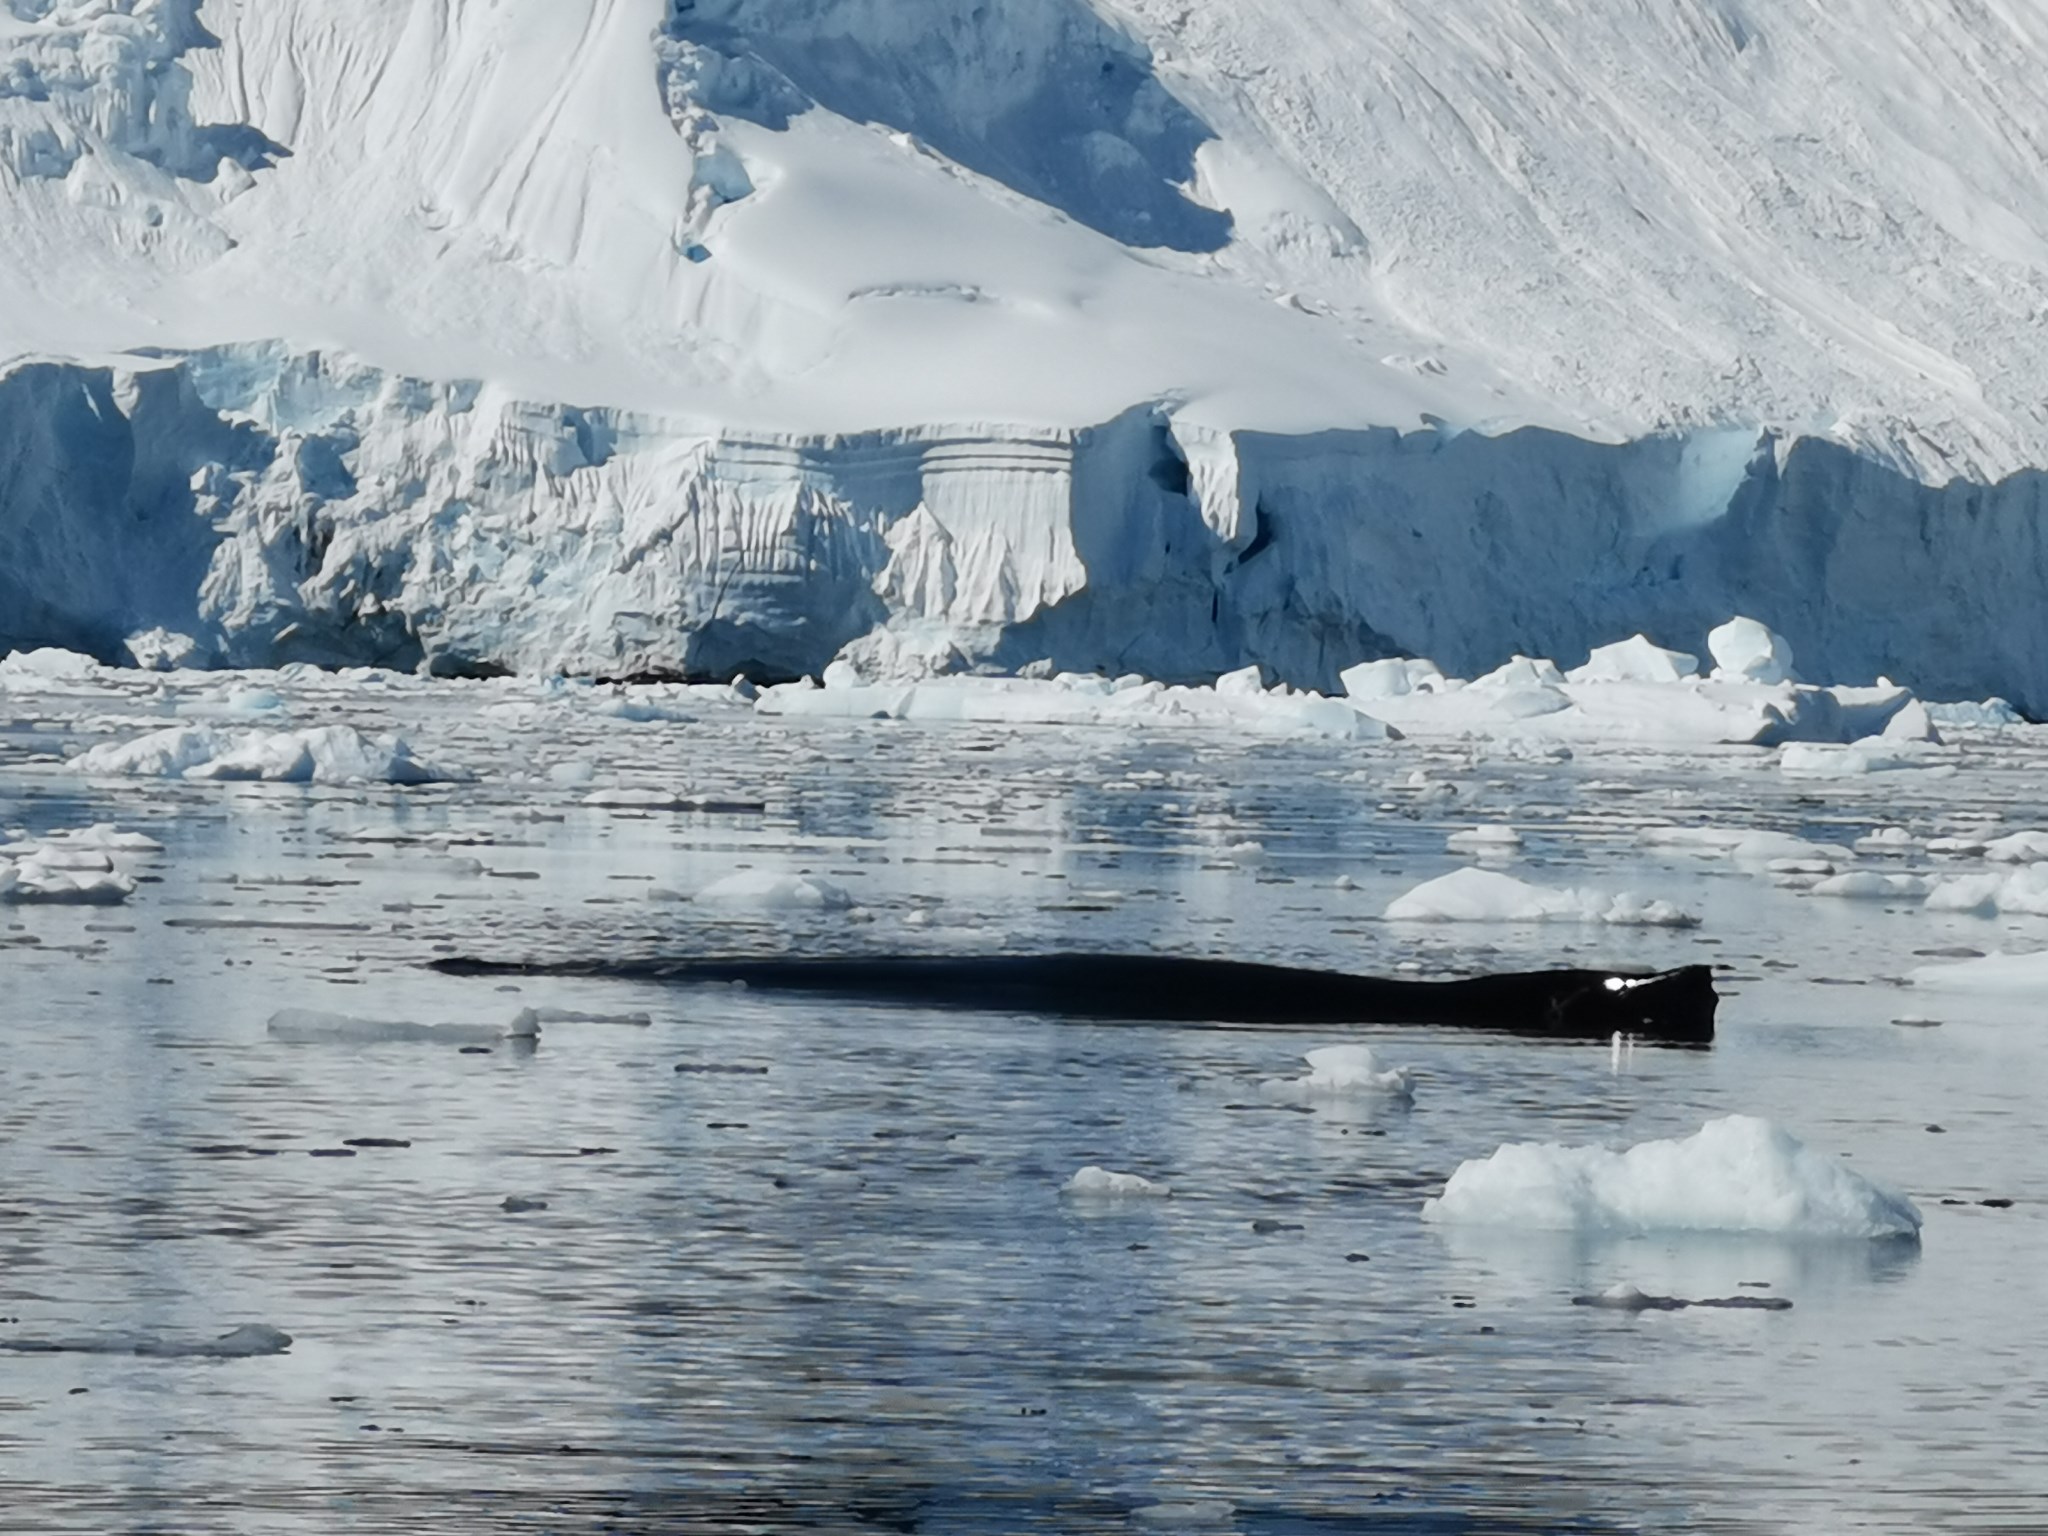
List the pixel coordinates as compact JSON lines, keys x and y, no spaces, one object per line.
{"x":1735,"y":1175}
{"x":1168,"y":336}
{"x":1487,"y":896}
{"x":328,"y":754}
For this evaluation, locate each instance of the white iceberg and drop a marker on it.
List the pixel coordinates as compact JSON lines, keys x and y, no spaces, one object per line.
{"x":1486,"y":896}
{"x":1738,"y":1174}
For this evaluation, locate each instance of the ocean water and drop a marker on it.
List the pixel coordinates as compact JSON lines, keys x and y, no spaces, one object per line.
{"x":808,"y":1266}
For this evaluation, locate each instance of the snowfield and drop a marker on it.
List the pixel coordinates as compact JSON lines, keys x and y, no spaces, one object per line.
{"x":1159,"y":336}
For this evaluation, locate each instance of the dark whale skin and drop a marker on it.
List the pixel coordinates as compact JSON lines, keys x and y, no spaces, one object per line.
{"x":1674,"y":1007}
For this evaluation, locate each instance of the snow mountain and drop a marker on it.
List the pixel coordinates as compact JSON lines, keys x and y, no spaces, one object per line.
{"x":695,"y":336}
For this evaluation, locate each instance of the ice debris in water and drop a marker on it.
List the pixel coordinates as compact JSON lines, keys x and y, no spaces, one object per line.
{"x":1094,"y":1181}
{"x":1487,"y":842}
{"x":313,"y":1026}
{"x":1486,"y":896}
{"x":1738,"y":1174}
{"x":764,"y":890}
{"x":328,"y":754}
{"x":72,"y":868}
{"x":1339,"y":1071}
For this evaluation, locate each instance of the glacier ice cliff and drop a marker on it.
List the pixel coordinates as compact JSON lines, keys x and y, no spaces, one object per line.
{"x":278,"y":506}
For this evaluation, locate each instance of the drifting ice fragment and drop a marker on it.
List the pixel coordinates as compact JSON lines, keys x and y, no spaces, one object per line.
{"x":1340,"y":1071}
{"x":1485,"y":896}
{"x":1738,"y":1174}
{"x":1094,"y":1181}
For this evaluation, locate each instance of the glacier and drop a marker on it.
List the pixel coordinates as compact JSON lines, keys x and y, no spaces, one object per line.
{"x":688,"y":338}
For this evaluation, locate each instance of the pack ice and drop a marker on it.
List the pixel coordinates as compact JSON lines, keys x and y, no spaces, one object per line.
{"x":1153,"y":336}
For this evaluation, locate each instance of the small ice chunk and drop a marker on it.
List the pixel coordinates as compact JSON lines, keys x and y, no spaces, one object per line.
{"x":1103,"y":1182}
{"x":1746,"y":651}
{"x":1485,"y":840}
{"x":1637,"y":659}
{"x":1736,"y":1174}
{"x":764,"y":890}
{"x":162,"y":650}
{"x":1393,"y":679}
{"x":1339,"y":1071}
{"x":1869,"y":885}
{"x":1521,"y":672}
{"x":33,"y":882}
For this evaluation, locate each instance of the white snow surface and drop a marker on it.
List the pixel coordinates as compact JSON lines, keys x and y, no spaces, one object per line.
{"x":1738,"y":1174}
{"x":694,"y":336}
{"x":1487,"y":896}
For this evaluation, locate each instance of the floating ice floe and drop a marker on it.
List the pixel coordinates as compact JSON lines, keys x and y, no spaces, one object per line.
{"x":328,"y":754}
{"x":1875,"y":754}
{"x":2024,"y":891}
{"x":312,"y":1026}
{"x":75,"y":867}
{"x":1103,"y":1182}
{"x":1234,"y":704}
{"x":1486,"y":896}
{"x":2016,"y":975}
{"x":765,"y":890}
{"x":1341,"y":1071}
{"x":1870,"y":885}
{"x":31,"y":881}
{"x":1487,"y":842}
{"x":1738,"y":1174}
{"x":2018,"y":848}
{"x":1741,"y":845}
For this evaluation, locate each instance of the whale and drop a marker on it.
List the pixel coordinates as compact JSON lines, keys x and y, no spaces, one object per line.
{"x":1672,"y":1007}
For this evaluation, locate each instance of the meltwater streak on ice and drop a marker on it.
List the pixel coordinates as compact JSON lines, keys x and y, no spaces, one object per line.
{"x":837,"y":1238}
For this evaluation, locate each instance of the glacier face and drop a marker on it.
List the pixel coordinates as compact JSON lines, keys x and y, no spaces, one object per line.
{"x":694,"y":336}
{"x":275,"y":505}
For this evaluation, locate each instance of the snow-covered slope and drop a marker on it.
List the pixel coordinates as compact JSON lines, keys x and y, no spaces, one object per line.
{"x":620,"y":335}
